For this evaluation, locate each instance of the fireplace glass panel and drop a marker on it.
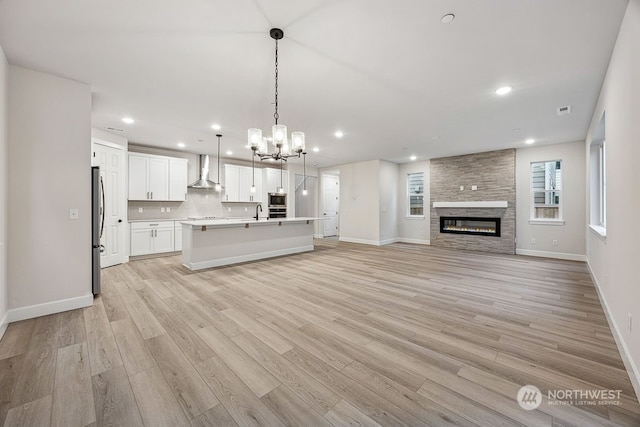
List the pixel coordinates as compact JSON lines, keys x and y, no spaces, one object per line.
{"x":470,"y":225}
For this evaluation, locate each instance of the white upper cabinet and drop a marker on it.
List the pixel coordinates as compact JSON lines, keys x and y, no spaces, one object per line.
{"x":178,"y":179}
{"x":273,"y":178}
{"x":237,"y":184}
{"x":157,"y":177}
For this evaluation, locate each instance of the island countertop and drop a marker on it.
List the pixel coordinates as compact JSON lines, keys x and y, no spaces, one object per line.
{"x":231,"y":222}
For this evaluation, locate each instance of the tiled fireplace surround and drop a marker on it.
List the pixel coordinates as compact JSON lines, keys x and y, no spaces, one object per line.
{"x":493,"y":174}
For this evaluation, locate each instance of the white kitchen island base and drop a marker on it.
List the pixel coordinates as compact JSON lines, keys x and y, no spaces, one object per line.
{"x":214,"y":243}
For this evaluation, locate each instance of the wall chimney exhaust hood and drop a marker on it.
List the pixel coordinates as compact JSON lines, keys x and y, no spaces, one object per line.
{"x":203,"y":182}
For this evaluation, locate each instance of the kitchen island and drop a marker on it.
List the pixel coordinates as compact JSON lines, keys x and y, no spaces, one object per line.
{"x":210,"y":243}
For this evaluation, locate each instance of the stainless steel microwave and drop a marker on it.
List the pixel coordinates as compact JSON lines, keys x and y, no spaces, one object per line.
{"x":277,"y":199}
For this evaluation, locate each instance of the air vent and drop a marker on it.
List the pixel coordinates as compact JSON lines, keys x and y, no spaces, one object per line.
{"x":113,"y":129}
{"x":563,"y":111}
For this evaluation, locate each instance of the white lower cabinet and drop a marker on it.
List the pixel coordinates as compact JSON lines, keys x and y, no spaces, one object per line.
{"x":152,"y":237}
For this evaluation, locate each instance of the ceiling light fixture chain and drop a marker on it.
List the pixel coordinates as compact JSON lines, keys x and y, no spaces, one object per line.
{"x":276,"y":116}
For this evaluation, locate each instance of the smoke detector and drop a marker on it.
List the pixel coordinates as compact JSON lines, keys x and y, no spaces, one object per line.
{"x":563,"y":111}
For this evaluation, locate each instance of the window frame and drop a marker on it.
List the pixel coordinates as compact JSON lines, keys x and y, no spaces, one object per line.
{"x":558,"y":191}
{"x":408,"y":213}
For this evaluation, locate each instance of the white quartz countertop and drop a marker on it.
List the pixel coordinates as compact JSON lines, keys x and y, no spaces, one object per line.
{"x":158,"y":219}
{"x":223,"y":222}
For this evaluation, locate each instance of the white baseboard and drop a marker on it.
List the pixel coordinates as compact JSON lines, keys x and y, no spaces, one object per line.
{"x":318,"y":236}
{"x":366,"y":241}
{"x":29,"y":312}
{"x":556,"y":255}
{"x":4,"y":323}
{"x":414,"y":241}
{"x":629,"y":364}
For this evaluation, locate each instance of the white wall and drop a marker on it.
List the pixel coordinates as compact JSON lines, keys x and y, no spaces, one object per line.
{"x":4,"y":298}
{"x":368,"y":201}
{"x":359,"y":202}
{"x":49,"y":261}
{"x":614,"y":261}
{"x":570,"y":235}
{"x":413,"y":230}
{"x":388,"y":202}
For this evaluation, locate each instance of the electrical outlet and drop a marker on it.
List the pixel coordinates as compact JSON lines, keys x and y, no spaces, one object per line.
{"x":140,"y":210}
{"x":462,"y":188}
{"x":168,"y":209}
{"x":474,"y":188}
{"x":533,"y":241}
{"x":229,"y":209}
{"x":555,"y":242}
{"x":630,"y":322}
{"x":161,"y":210}
{"x":246,"y":209}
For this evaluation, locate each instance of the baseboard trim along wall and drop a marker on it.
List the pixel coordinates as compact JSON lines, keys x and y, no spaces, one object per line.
{"x":4,"y":323}
{"x":414,"y":241}
{"x":367,"y":242}
{"x":630,"y":366}
{"x":556,"y":255}
{"x":44,"y":309}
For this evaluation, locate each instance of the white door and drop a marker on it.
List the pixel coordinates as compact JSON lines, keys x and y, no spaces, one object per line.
{"x":110,"y":158}
{"x":330,"y":203}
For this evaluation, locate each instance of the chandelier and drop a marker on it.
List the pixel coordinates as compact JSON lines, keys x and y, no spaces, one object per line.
{"x":283,"y":147}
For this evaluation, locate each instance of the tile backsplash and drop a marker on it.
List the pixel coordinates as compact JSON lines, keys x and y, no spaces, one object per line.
{"x":199,"y":203}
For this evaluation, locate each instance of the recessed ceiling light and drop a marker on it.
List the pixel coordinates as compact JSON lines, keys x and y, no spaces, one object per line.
{"x":128,"y":120}
{"x":448,"y":18}
{"x":316,"y":149}
{"x":413,"y":157}
{"x":216,"y":126}
{"x":529,"y":141}
{"x":229,"y":152}
{"x":504,"y":90}
{"x":339,"y":134}
{"x":516,"y":130}
{"x":181,"y":144}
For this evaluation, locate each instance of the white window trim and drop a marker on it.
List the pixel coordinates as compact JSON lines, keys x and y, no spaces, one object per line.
{"x":532,"y":191}
{"x":408,"y":198}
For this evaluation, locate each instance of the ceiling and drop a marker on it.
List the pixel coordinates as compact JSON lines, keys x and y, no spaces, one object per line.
{"x":389,"y":74}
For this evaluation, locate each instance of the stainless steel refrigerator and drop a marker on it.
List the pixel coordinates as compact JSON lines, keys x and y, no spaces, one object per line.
{"x":97,"y":226}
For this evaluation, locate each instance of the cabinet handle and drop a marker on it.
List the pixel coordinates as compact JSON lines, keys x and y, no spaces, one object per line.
{"x":152,"y":195}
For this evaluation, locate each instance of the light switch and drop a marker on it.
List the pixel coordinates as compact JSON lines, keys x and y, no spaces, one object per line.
{"x":474,"y":188}
{"x":74,"y":213}
{"x":168,"y":209}
{"x":462,"y":188}
{"x":161,"y":210}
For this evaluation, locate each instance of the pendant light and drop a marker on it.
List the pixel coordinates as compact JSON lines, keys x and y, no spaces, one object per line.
{"x":304,"y":173}
{"x":218,"y":186}
{"x":284,"y":148}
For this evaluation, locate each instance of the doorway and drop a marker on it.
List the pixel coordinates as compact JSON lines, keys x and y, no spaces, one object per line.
{"x":330,"y":204}
{"x":110,"y":158}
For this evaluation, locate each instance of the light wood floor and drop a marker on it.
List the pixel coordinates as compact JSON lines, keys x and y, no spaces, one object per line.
{"x":346,"y":335}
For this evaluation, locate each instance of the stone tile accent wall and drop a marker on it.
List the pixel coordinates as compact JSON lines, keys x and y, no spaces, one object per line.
{"x":494,"y":175}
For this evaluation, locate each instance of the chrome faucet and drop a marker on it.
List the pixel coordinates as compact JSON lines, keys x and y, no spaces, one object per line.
{"x":258,"y":206}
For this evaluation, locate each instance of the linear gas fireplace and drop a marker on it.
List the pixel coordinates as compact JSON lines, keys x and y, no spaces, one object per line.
{"x":477,"y":226}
